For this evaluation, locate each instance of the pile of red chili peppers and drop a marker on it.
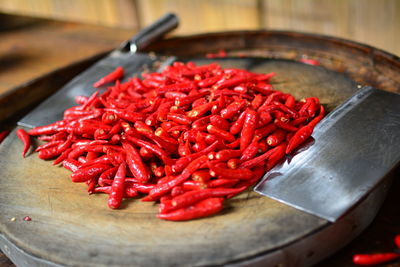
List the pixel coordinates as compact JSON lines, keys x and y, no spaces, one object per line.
{"x":189,"y":137}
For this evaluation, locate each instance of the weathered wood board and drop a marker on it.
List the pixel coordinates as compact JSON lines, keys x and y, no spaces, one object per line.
{"x":69,"y":227}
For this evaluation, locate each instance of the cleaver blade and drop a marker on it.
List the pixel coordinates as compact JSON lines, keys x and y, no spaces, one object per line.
{"x":352,"y":150}
{"x":127,"y":56}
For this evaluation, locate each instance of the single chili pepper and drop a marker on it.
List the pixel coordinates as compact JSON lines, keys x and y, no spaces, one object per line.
{"x":127,"y":115}
{"x":135,"y":163}
{"x":189,"y":198}
{"x":87,"y":173}
{"x":44,"y":130}
{"x":373,"y":259}
{"x":89,"y":102}
{"x":222,"y":183}
{"x":117,"y":187}
{"x":250,"y":151}
{"x":299,"y":138}
{"x":276,"y":137}
{"x":249,"y":125}
{"x":202,"y":176}
{"x":116,"y":74}
{"x":71,"y":164}
{"x":179,"y":118}
{"x":227,"y":136}
{"x":226,"y":154}
{"x":275,"y":157}
{"x":232,"y":109}
{"x":199,"y":111}
{"x":26,"y":140}
{"x":201,"y":209}
{"x":65,"y":145}
{"x":105,"y":159}
{"x":257,"y":160}
{"x":225,"y":173}
{"x":49,"y":153}
{"x":54,"y":137}
{"x":285,"y":126}
{"x":62,"y":157}
{"x":193,"y":185}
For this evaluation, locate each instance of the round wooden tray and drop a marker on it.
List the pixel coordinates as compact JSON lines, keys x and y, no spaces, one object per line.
{"x":69,"y":227}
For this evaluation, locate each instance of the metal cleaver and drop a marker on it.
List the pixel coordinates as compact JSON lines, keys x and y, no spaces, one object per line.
{"x":127,"y":56}
{"x":354,"y":147}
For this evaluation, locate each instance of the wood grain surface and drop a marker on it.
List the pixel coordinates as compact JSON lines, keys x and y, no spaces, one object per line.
{"x":33,"y":182}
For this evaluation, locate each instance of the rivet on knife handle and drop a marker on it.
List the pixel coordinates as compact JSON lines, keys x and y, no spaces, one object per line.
{"x":159,"y":28}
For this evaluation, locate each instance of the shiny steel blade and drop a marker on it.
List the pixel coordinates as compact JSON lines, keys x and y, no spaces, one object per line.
{"x":354,"y":147}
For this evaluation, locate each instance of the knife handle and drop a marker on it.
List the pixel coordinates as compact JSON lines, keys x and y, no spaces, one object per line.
{"x":156,"y":30}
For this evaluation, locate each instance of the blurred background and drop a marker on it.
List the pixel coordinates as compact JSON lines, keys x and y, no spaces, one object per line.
{"x":374,"y":22}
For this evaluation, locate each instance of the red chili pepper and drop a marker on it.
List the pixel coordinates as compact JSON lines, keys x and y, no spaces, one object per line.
{"x":135,"y":163}
{"x":48,"y":145}
{"x":87,"y":173}
{"x":373,"y":259}
{"x":71,"y":164}
{"x":227,"y":136}
{"x":192,"y":197}
{"x":250,"y":151}
{"x":276,"y":137}
{"x":233,"y":109}
{"x":118,"y":73}
{"x":249,"y":125}
{"x":62,"y":157}
{"x":299,"y":138}
{"x":26,"y":140}
{"x":117,"y":187}
{"x":49,"y":153}
{"x":201,"y":209}
{"x":237,"y":125}
{"x":224,"y":173}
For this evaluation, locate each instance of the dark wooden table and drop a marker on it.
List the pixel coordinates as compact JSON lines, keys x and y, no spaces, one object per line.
{"x":31,"y":47}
